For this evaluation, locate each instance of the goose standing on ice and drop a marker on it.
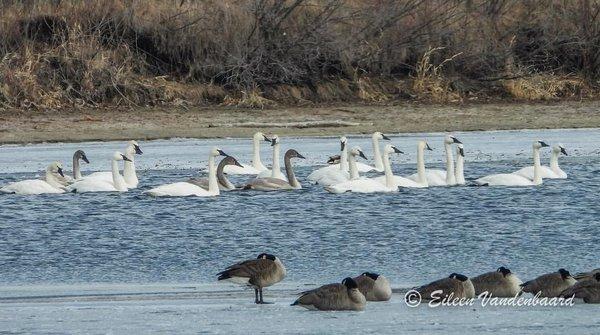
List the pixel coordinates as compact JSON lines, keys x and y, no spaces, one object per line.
{"x":374,"y":287}
{"x":551,"y":172}
{"x":336,"y":173}
{"x":184,"y":188}
{"x":117,"y":184}
{"x":334,"y":297}
{"x":275,"y":171}
{"x":436,"y":177}
{"x":456,"y":285}
{"x":277,"y":184}
{"x":50,"y":184}
{"x":501,"y":283}
{"x":257,"y":166}
{"x":550,"y":285}
{"x":129,"y":173}
{"x":264,"y":271}
{"x":224,"y":183}
{"x":510,"y":179}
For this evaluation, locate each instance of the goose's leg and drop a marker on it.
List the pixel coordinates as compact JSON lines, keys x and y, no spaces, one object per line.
{"x":256,"y":296}
{"x":261,"y":297}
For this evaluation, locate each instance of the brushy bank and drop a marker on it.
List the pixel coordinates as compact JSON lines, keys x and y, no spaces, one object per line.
{"x":58,"y":54}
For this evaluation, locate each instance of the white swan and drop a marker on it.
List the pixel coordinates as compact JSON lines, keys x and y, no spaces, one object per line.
{"x":129,"y":173}
{"x":369,"y":185}
{"x":184,"y":189}
{"x":50,"y":184}
{"x":277,"y":184}
{"x":117,"y":183}
{"x":460,"y":165}
{"x":510,"y":179}
{"x":257,"y":165}
{"x":437,"y":177}
{"x":336,"y":173}
{"x":275,"y":171}
{"x":551,"y":172}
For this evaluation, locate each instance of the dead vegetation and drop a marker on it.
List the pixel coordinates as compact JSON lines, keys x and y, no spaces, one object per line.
{"x":265,"y":53}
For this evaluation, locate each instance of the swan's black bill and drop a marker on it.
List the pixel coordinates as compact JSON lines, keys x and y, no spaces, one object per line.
{"x":563,"y":151}
{"x":266,"y":138}
{"x":125,"y":158}
{"x":298,"y":155}
{"x":85,"y":159}
{"x":60,"y":172}
{"x":455,"y":140}
{"x":362,"y":154}
{"x":273,"y":141}
{"x":235,"y":162}
{"x":385,"y":137}
{"x":342,"y":145}
{"x":222,"y":153}
{"x":543,"y":144}
{"x":396,"y":150}
{"x":461,"y":152}
{"x":428,"y":147}
{"x":138,"y":151}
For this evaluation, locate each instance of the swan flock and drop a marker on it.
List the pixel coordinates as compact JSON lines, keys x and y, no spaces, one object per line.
{"x":344,"y":171}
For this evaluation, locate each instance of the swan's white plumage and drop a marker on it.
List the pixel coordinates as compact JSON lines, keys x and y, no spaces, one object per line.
{"x":547,"y":172}
{"x":440,"y":177}
{"x":129,"y":173}
{"x":333,"y":174}
{"x":115,"y":184}
{"x":31,"y":187}
{"x":179,"y":189}
{"x":257,"y":166}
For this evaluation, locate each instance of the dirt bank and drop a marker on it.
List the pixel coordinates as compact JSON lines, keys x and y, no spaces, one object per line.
{"x":154,"y":123}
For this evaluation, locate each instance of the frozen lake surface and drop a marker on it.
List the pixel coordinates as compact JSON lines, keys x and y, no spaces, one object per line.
{"x":126,"y":263}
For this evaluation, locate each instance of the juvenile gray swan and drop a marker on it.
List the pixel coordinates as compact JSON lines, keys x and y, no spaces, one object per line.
{"x":588,"y":290}
{"x":374,"y":287}
{"x":550,"y":285}
{"x":264,"y":271}
{"x":499,"y":283}
{"x":79,"y":155}
{"x":334,"y":297}
{"x":456,"y":284}
{"x":276,"y":184}
{"x":224,"y":183}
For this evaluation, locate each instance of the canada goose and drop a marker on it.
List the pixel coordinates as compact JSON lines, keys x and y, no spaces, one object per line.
{"x":588,"y":290}
{"x":333,"y":297}
{"x":257,"y":166}
{"x":586,"y":275}
{"x":499,"y":283}
{"x":276,"y":184}
{"x":511,"y":179}
{"x":50,"y":184}
{"x":547,"y":172}
{"x":436,"y":177}
{"x":129,"y":173}
{"x":550,"y":285}
{"x":456,"y":284}
{"x":258,"y":273}
{"x":185,"y":189}
{"x":374,"y":287}
{"x":117,"y":184}
{"x":224,"y":183}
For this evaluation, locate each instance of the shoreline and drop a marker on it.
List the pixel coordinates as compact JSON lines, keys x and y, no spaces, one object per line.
{"x":145,"y":123}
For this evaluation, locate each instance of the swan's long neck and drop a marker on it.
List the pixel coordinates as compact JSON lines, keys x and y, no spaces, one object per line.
{"x":537,"y":173}
{"x":289,"y":171}
{"x":213,"y":185}
{"x":421,"y":166}
{"x":387,"y":168}
{"x":118,"y":181}
{"x":377,"y":153}
{"x":221,"y":178}
{"x":554,"y":161}
{"x":353,"y":169}
{"x":276,"y":168}
{"x":76,"y":169}
{"x":129,"y":169}
{"x":450,"y":177}
{"x":256,"y":162}
{"x":344,"y":159}
{"x":459,"y":172}
{"x":52,"y":179}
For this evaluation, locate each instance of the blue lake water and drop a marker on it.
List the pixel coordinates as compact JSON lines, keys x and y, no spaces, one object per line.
{"x":60,"y":243}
